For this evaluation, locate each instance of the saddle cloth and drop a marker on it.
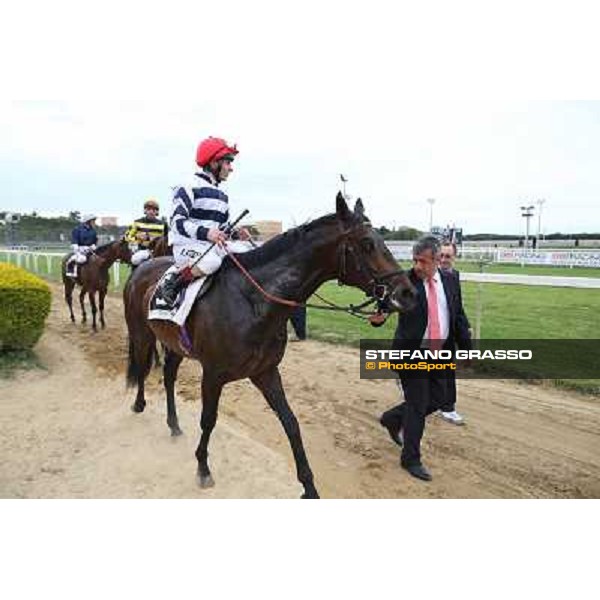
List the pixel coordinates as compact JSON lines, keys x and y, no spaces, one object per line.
{"x":178,"y":314}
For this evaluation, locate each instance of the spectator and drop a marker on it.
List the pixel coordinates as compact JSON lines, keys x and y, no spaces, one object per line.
{"x":298,"y":321}
{"x":448,"y":408}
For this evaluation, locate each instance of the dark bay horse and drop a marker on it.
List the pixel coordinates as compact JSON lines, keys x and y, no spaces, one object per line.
{"x":93,"y":278}
{"x":236,"y":333}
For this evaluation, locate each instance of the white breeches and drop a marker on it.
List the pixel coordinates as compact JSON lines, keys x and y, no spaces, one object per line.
{"x":137,"y":258}
{"x":186,"y":254}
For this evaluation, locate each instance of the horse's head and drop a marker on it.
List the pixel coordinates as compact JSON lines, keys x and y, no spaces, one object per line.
{"x":364,"y":260}
{"x":123,"y":251}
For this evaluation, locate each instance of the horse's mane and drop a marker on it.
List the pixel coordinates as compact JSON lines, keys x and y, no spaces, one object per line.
{"x":100,"y":250}
{"x":281,"y":243}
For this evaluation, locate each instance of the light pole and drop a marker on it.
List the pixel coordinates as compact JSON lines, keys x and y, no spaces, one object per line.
{"x":431,"y":202}
{"x":526,"y":211}
{"x":540,"y":203}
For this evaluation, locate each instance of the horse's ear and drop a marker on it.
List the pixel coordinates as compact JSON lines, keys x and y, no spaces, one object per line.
{"x":341,"y":208}
{"x":359,"y":209}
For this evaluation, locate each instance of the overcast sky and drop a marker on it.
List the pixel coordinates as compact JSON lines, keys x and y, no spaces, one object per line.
{"x":104,"y":105}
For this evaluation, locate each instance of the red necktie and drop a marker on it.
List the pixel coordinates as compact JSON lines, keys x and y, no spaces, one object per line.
{"x":433,"y":316}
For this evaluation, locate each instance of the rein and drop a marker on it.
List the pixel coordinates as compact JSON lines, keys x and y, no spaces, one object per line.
{"x":351,"y":309}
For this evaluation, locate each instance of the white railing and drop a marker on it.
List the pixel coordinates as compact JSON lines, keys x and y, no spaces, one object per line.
{"x":42,"y":262}
{"x":520,"y":256}
{"x":32,"y":261}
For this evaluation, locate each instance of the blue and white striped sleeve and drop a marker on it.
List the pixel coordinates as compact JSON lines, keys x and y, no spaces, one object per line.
{"x":180,"y":218}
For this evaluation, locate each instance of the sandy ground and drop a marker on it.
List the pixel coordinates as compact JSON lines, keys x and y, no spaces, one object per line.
{"x":67,"y":431}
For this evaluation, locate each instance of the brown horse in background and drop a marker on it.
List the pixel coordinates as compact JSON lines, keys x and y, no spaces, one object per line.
{"x":237,"y":333}
{"x":160,"y":247}
{"x":93,"y":277}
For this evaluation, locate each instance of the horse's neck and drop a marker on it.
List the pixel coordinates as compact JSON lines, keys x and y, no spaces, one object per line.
{"x":108,"y":258}
{"x":297,"y":274}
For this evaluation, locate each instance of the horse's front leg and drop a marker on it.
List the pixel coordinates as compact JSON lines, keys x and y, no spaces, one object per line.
{"x":211,"y":392}
{"x":92,"y":298}
{"x":269,"y":383}
{"x":172,"y":362}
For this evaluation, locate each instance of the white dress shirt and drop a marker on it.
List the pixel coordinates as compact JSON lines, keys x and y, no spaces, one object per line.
{"x":443,"y":309}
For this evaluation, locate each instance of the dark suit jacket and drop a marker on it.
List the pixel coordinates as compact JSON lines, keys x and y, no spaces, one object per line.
{"x":412,"y":324}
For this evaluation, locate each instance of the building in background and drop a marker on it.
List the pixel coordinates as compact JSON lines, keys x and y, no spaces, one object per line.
{"x":108,"y":221}
{"x":267,"y":229}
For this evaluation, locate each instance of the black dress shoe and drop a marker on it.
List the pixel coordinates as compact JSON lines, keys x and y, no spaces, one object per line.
{"x":394,"y":432}
{"x":418,"y":471}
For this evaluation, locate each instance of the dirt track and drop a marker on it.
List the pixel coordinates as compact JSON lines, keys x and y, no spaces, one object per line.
{"x":68,"y":431}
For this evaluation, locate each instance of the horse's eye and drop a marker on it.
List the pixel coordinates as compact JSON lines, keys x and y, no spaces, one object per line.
{"x":367,"y":245}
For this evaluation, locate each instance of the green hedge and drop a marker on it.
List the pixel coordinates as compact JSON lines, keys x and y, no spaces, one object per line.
{"x":24,"y":306}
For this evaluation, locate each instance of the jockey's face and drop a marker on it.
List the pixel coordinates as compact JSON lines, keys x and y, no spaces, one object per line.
{"x":223,"y":168}
{"x":91,"y":222}
{"x":151,"y":212}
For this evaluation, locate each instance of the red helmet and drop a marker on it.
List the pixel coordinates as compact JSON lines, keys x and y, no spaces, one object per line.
{"x":213,"y":148}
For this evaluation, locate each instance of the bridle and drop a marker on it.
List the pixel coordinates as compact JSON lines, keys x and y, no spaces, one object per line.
{"x":380,"y":294}
{"x":381,"y":288}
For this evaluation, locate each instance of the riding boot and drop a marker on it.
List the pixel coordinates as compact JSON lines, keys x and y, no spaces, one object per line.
{"x":172,"y":285}
{"x":71,"y":269}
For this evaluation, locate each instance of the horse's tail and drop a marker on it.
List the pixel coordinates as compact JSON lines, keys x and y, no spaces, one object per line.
{"x":139,"y":361}
{"x":141,"y":338}
{"x":132,"y":367}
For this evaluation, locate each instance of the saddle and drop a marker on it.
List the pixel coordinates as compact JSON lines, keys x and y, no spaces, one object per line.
{"x":178,"y":313}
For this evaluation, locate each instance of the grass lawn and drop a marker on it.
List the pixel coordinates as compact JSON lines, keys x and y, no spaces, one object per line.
{"x":508,"y":312}
{"x":473,"y":267}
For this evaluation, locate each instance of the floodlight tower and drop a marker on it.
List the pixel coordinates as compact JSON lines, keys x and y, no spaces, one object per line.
{"x":540,"y":203}
{"x":431,"y":202}
{"x":527,"y":212}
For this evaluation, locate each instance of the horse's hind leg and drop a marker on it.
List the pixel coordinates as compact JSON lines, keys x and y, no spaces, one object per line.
{"x":139,"y":363}
{"x":82,"y":304}
{"x":102,"y":295}
{"x":69,"y":285}
{"x":269,"y":383}
{"x":172,"y":362}
{"x":211,"y":392}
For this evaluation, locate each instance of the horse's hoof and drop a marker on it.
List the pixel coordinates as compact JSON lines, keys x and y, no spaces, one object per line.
{"x":137,"y":408}
{"x":175,"y":431}
{"x":310,"y":496}
{"x":206,"y":481}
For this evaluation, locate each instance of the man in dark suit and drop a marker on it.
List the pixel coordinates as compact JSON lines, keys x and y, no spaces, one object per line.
{"x":448,"y":410}
{"x":436,"y":321}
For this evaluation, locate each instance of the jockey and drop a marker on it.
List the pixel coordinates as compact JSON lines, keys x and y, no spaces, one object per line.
{"x":143,"y":231}
{"x":200,"y":212}
{"x":83,"y":242}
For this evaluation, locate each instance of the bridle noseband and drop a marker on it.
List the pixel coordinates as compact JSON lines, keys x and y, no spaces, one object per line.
{"x":380,"y":288}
